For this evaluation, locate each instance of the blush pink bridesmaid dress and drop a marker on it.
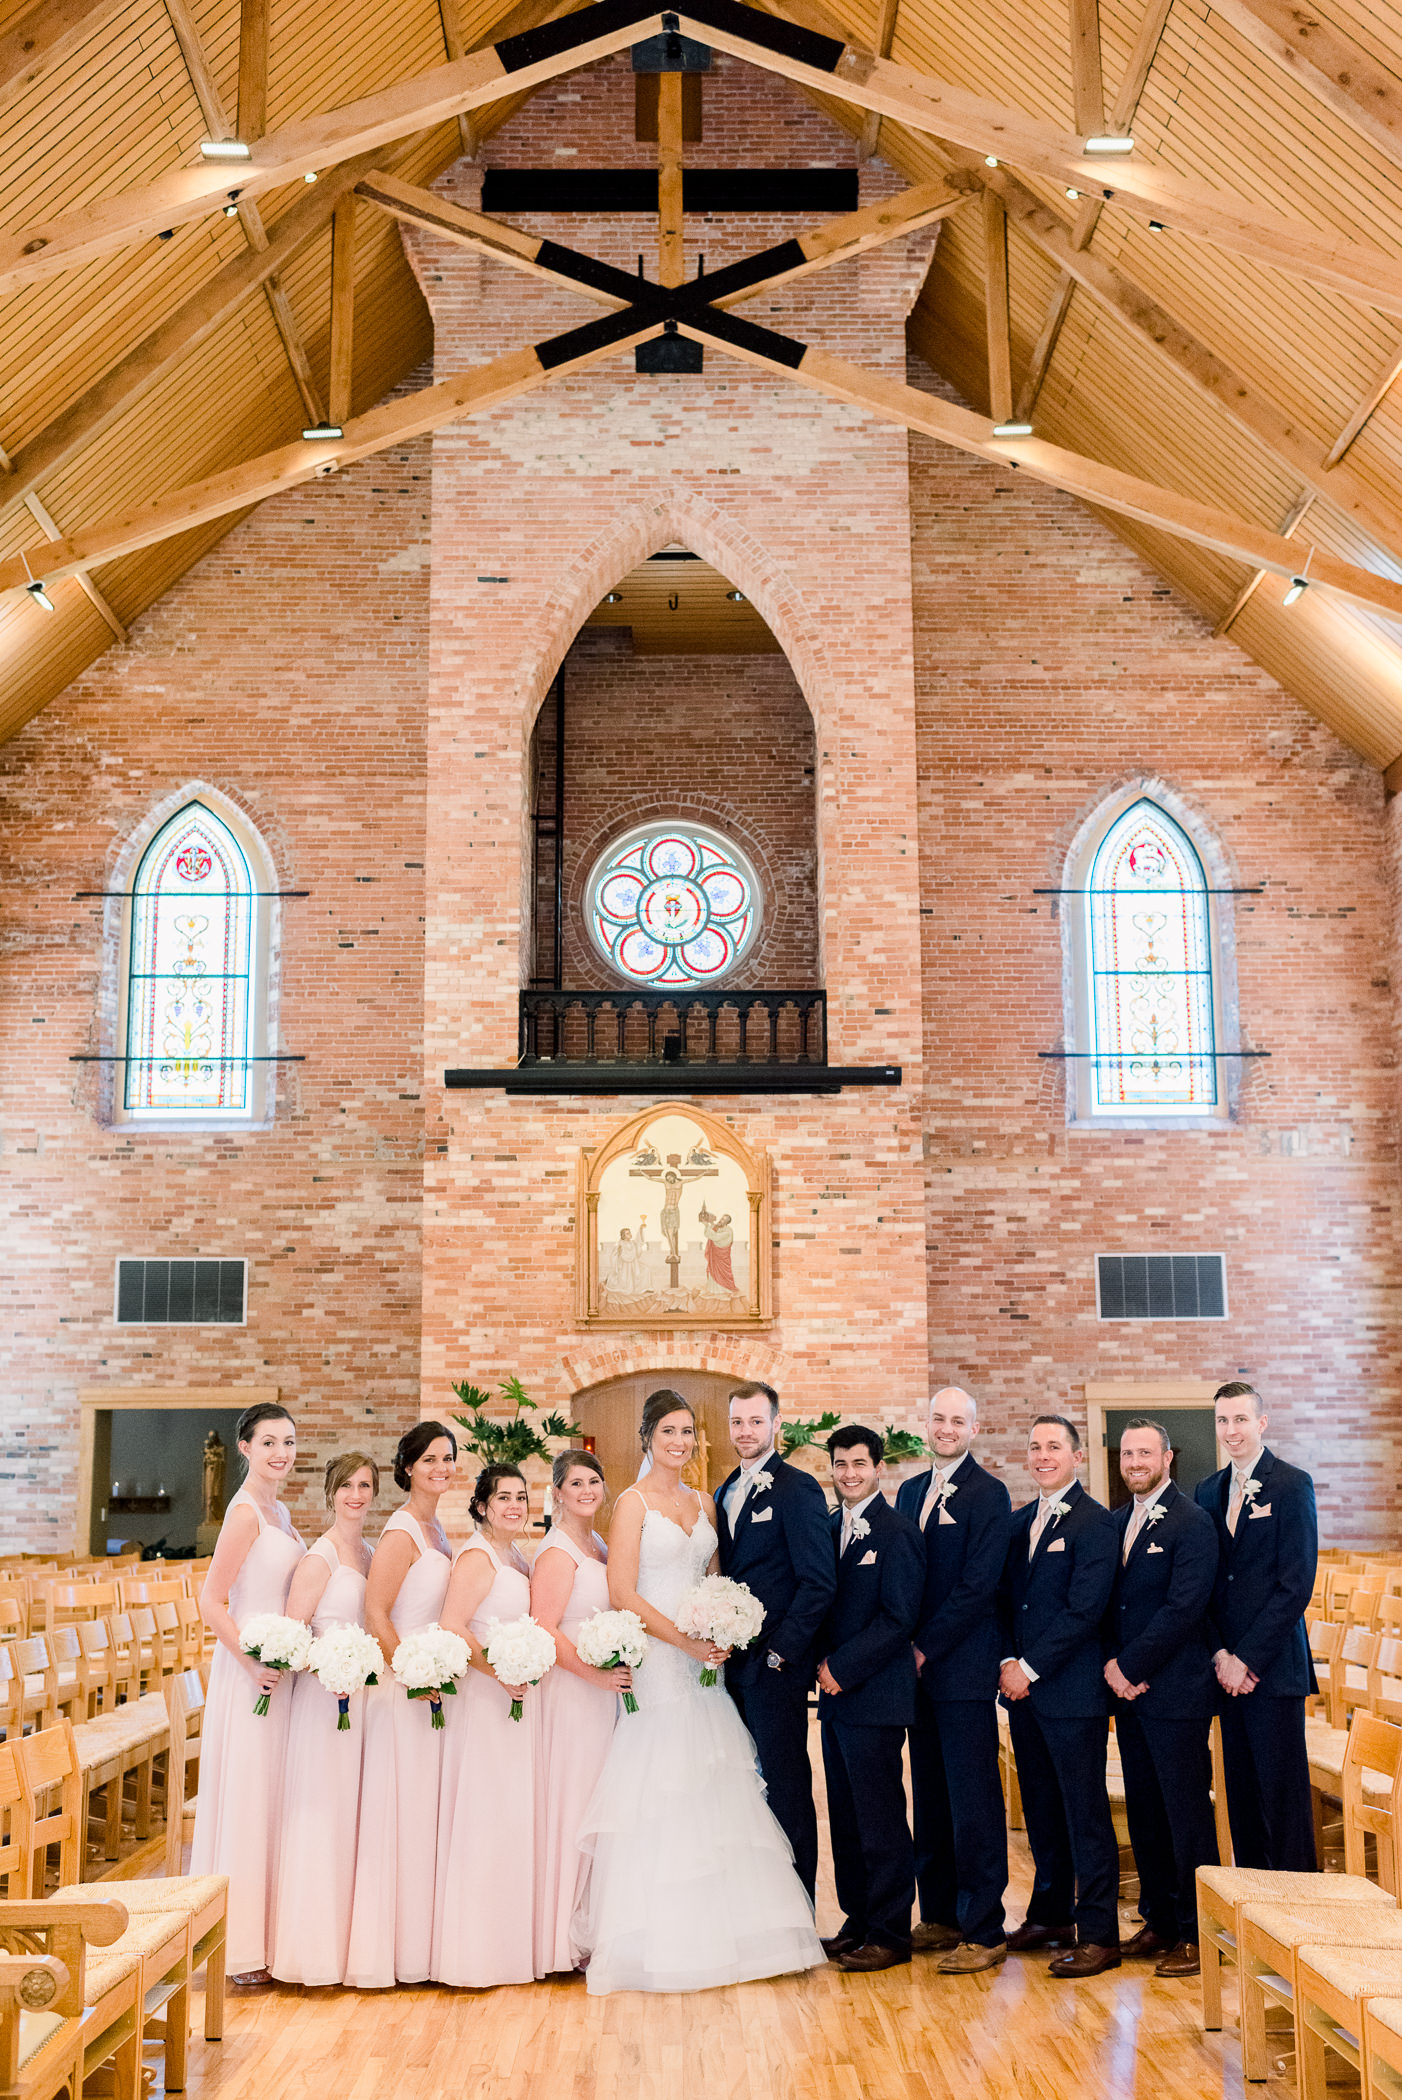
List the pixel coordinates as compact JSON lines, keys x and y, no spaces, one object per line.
{"x":485,"y":1884}
{"x":242,"y":1754}
{"x":392,"y":1908}
{"x":577,"y":1724}
{"x":321,"y":1805}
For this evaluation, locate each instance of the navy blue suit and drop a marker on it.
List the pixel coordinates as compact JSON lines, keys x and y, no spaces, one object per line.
{"x":781,"y":1548}
{"x":1051,"y":1609}
{"x":866,"y":1645}
{"x":961,"y":1834}
{"x":1156,"y":1630}
{"x":1265,"y":1578}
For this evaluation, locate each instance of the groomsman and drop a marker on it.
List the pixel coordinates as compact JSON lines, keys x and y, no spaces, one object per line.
{"x":1269,"y":1540}
{"x":1160,"y":1675}
{"x":776,"y":1536}
{"x":866,"y":1702}
{"x":1056,"y":1584}
{"x":961,"y":1833}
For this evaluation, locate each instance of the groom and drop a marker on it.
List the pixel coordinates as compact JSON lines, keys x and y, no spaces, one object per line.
{"x":774,"y":1536}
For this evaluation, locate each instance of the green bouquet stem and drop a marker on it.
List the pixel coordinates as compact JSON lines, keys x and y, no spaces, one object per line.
{"x":517,"y":1709}
{"x":709,"y":1676}
{"x":434,"y":1693}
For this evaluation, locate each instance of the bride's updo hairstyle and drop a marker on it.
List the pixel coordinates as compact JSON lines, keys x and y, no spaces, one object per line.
{"x":656,"y":1408}
{"x":567,"y":1461}
{"x":488,"y":1481}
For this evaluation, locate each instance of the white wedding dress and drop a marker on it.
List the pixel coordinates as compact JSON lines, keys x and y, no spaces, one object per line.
{"x":686,"y":1879}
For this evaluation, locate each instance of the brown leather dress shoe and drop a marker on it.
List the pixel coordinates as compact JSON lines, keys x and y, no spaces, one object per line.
{"x":1085,"y":1960}
{"x":865,"y":1961}
{"x":839,"y":1944}
{"x":1145,"y":1942}
{"x":1030,"y":1939}
{"x":1182,"y":1960}
{"x":933,"y":1939}
{"x":971,"y":1960}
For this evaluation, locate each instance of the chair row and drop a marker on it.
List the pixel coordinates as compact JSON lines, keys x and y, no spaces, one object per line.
{"x":34,"y":1604}
{"x":91,"y":1667}
{"x":66,"y":2011}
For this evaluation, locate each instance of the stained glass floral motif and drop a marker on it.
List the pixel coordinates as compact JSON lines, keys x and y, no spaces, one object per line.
{"x":1151,"y":969}
{"x":189,"y":971}
{"x":673,"y":905}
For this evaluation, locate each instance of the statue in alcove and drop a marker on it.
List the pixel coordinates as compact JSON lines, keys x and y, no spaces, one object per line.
{"x":216,"y":1459}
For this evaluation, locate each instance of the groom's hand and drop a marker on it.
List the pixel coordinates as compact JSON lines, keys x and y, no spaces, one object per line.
{"x":1013,"y":1681}
{"x":826,"y":1679}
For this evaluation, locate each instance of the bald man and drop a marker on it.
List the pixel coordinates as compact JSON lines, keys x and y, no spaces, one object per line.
{"x":961,"y":1839}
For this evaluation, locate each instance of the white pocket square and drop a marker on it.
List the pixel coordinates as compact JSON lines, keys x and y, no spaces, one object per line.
{"x":1155,"y":1549}
{"x":868,"y":1560}
{"x":761,"y":1516}
{"x":1057,"y":1546}
{"x":1263,"y":1511}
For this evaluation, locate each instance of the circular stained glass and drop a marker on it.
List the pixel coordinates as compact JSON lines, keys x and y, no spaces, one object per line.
{"x":673,"y":905}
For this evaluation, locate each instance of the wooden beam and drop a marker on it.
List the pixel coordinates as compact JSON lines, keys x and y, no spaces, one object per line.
{"x":84,"y":581}
{"x":455,"y":48}
{"x":1248,"y":590}
{"x":1087,"y":82}
{"x":1114,"y":289}
{"x":1392,"y":777}
{"x":995,"y":301}
{"x":1125,"y":106}
{"x":860,"y":77}
{"x":671,"y":264}
{"x":253,"y":69}
{"x":1044,"y":349}
{"x":192,"y":323}
{"x":870,"y":135}
{"x":338,"y":386}
{"x":253,"y":481}
{"x":44,"y":36}
{"x":1328,"y":63}
{"x":1367,"y":408}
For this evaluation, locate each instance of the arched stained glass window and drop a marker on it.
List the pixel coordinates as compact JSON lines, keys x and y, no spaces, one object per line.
{"x":1149,"y":939}
{"x":190,"y":965}
{"x":673,"y":904}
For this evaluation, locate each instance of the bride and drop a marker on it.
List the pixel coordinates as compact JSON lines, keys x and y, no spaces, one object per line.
{"x":687,"y":1880}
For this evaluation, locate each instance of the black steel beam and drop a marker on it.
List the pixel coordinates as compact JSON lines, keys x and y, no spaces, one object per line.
{"x":565,"y":1078}
{"x":704,"y":190}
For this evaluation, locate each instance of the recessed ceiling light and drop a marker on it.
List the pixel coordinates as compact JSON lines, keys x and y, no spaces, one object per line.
{"x":737,"y":597}
{"x":613,"y":597}
{"x":310,"y":175}
{"x":1012,"y":430}
{"x":225,"y":149}
{"x":323,"y":430}
{"x":1111,"y":143}
{"x":1298,"y":586}
{"x":990,"y":160}
{"x":1073,"y":194}
{"x":40,"y":596}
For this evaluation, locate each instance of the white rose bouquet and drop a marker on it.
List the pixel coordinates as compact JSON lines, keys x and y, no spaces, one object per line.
{"x":520,"y":1652}
{"x":426,"y":1663}
{"x":344,"y":1660}
{"x":719,"y":1610}
{"x":276,"y":1642}
{"x":607,"y":1639}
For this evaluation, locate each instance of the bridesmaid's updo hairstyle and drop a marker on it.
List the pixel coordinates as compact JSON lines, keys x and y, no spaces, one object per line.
{"x":656,"y":1408}
{"x":412,"y":1446}
{"x":567,"y":1461}
{"x":265,"y":1411}
{"x":488,"y":1481}
{"x":340,"y":1472}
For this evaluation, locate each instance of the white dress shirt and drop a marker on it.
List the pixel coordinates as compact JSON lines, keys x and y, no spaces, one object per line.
{"x":938,"y":1477}
{"x":739,"y":1489}
{"x":849,"y":1513}
{"x":1140,"y":1517}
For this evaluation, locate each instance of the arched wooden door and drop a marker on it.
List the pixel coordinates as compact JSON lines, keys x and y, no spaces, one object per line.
{"x":611,"y":1411}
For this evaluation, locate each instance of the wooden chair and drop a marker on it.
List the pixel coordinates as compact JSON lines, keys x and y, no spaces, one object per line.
{"x":1372,"y":1798}
{"x":1272,"y":1935}
{"x":169,"y":1634}
{"x":1382,"y":2049}
{"x":126,"y":1658}
{"x":99,"y":1680}
{"x":1332,"y":1989}
{"x":14,"y":1617}
{"x":38,"y":1674}
{"x":133,"y":1590}
{"x":11,"y":1697}
{"x":1224,"y":1892}
{"x":192,"y":1634}
{"x":90,"y":2017}
{"x":185,"y":1710}
{"x":1325,"y":1639}
{"x":147,"y":1645}
{"x":70,"y":1687}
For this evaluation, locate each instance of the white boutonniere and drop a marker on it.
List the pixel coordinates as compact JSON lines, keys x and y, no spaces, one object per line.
{"x":1061,"y":1509}
{"x":1251,"y":1489}
{"x":1156,"y":1510}
{"x":860,"y":1527}
{"x":946,"y":1489}
{"x":760,"y":1482}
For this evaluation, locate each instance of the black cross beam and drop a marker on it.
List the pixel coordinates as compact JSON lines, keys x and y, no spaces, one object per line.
{"x":663,"y":308}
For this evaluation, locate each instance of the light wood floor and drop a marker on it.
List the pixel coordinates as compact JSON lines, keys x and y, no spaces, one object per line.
{"x":909,"y":2034}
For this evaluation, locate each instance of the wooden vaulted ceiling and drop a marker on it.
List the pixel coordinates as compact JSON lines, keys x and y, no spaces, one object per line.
{"x":1251,"y":373}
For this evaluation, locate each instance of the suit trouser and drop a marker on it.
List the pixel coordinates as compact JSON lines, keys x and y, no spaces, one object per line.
{"x":872,"y":1854}
{"x":1061,"y":1774}
{"x":1167,"y":1768}
{"x":961,"y":1831}
{"x":774,"y":1707}
{"x":1268,"y":1782}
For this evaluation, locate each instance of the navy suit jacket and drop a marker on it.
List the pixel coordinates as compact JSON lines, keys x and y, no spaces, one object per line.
{"x":1051,"y":1608}
{"x":957,"y":1631}
{"x":1156,"y":1627}
{"x":782,"y":1548}
{"x":866,"y":1638}
{"x":1265,"y":1576}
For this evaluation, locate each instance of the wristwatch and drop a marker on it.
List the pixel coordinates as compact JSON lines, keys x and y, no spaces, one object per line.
{"x":775,"y":1662}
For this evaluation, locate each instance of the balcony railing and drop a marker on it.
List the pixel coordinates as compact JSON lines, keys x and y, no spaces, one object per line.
{"x":730,"y":1028}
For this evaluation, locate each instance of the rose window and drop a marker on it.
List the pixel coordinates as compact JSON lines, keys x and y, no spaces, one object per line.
{"x":673,"y":905}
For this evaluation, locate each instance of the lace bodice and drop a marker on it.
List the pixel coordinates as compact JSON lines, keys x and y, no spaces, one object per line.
{"x":669,"y":1563}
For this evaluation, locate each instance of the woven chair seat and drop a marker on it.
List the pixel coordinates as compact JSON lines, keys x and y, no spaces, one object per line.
{"x":1387,"y":2012}
{"x":1262,"y":1885}
{"x":108,"y":1965}
{"x":36,"y":2030}
{"x":164,"y":1893}
{"x":1325,"y":1750}
{"x":1327,"y":1924}
{"x":1355,"y":1970}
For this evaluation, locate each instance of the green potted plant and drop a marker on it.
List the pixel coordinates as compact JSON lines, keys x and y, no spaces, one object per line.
{"x":513,"y":1439}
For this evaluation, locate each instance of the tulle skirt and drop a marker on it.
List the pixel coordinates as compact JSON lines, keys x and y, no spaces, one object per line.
{"x":687,"y":1881}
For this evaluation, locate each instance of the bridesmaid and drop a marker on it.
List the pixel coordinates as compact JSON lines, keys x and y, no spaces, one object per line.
{"x":485,"y":1881}
{"x":578,"y":1705}
{"x":243,"y":1753}
{"x":392,"y":1909}
{"x":321,"y":1792}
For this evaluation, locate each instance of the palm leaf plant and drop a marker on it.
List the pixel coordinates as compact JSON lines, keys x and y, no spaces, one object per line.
{"x":509,"y":1439}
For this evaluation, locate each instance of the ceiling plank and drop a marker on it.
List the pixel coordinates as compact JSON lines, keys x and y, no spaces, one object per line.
{"x":997,"y":321}
{"x":1367,"y":408}
{"x":1332,"y":66}
{"x":44,"y":36}
{"x":1087,"y":81}
{"x":858,"y":76}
